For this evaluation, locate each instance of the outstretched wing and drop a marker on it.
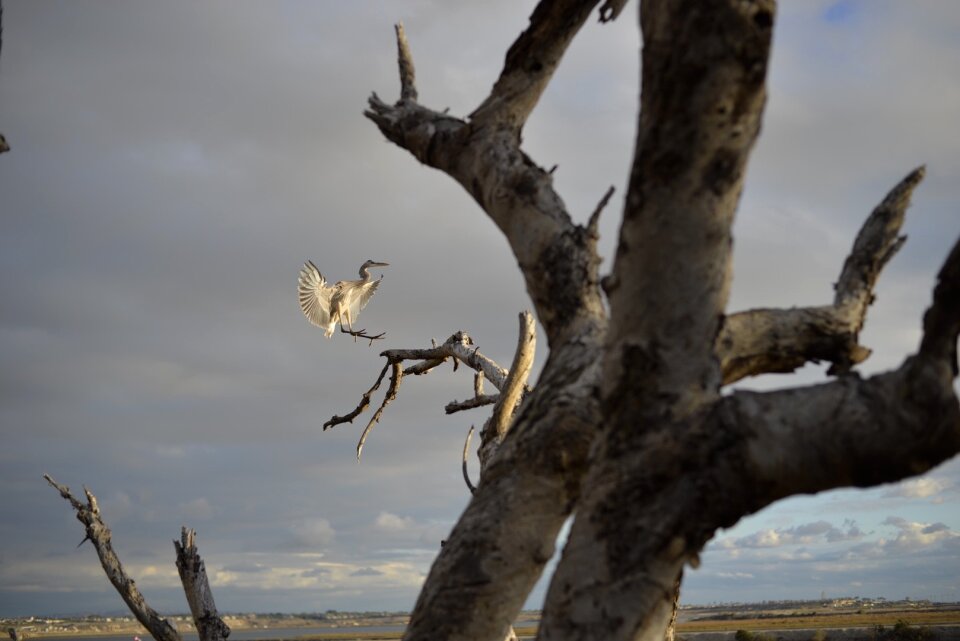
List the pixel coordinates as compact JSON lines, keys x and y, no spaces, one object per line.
{"x":356,"y":298}
{"x":315,"y":297}
{"x":368,"y":291}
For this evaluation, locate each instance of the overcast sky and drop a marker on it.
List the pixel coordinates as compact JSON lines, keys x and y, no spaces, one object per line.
{"x":172,"y":166}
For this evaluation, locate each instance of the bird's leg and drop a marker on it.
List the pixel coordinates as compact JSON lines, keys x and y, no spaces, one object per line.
{"x":346,"y":326}
{"x":349,"y":329}
{"x":361,"y":333}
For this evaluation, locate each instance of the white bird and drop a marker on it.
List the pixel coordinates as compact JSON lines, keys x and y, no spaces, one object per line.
{"x":325,"y":306}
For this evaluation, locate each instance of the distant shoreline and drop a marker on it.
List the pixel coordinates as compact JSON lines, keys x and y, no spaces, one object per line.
{"x":715,"y":623}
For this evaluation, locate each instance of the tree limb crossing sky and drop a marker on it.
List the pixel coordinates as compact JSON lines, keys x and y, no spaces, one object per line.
{"x":172,"y":166}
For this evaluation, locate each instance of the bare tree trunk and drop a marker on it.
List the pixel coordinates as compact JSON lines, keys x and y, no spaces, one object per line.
{"x":645,"y":383}
{"x":193,"y":575}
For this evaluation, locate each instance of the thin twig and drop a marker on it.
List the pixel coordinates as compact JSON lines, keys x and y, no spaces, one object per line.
{"x":424,"y":367}
{"x":466,"y":451}
{"x":364,"y":403}
{"x":941,"y":322}
{"x":471,"y":403}
{"x":395,"y":377}
{"x":595,"y":216}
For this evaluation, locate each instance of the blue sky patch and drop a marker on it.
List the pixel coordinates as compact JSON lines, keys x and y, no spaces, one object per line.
{"x":842,"y":12}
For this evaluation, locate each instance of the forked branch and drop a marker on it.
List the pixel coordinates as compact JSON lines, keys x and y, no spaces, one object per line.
{"x":99,"y":534}
{"x":396,"y":376}
{"x":460,"y":349}
{"x":763,"y":341}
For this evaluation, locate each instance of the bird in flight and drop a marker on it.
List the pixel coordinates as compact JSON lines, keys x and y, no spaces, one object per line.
{"x":326,"y":305}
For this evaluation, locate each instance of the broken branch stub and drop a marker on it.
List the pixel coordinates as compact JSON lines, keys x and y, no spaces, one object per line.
{"x":193,"y":576}
{"x":99,"y":534}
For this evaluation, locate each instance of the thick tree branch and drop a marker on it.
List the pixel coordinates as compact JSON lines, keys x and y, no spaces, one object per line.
{"x":941,"y":323}
{"x":841,"y":433}
{"x":193,"y":576}
{"x":778,"y":341}
{"x":878,"y":240}
{"x":558,"y":258}
{"x":531,"y":62}
{"x":763,"y":341}
{"x":99,"y":534}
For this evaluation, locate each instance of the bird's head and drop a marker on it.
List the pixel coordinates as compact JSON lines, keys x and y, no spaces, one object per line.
{"x":364,"y":268}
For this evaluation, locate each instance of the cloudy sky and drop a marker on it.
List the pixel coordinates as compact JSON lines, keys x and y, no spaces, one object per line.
{"x":174,"y":163}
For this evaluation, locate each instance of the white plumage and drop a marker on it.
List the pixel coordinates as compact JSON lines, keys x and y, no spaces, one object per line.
{"x":325,"y":306}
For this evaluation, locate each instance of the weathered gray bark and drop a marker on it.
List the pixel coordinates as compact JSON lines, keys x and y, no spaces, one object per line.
{"x":671,"y":460}
{"x":193,"y":575}
{"x":99,"y":534}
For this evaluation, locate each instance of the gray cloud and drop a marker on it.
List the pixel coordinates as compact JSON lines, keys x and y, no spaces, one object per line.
{"x":174,"y":164}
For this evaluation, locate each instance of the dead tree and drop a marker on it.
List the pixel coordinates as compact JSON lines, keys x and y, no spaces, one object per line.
{"x":209,"y":625}
{"x":626,"y":426}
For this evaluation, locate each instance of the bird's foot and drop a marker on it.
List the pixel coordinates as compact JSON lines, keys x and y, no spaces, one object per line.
{"x":362,"y":333}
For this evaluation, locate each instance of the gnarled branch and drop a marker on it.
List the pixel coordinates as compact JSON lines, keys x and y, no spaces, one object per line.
{"x":763,"y":341}
{"x":458,"y":348}
{"x":99,"y":534}
{"x":558,"y":259}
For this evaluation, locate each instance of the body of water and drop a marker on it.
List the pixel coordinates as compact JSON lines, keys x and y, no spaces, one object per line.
{"x":248,"y":635}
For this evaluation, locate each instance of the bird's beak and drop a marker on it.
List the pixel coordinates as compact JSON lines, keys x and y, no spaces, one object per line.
{"x":382,"y":264}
